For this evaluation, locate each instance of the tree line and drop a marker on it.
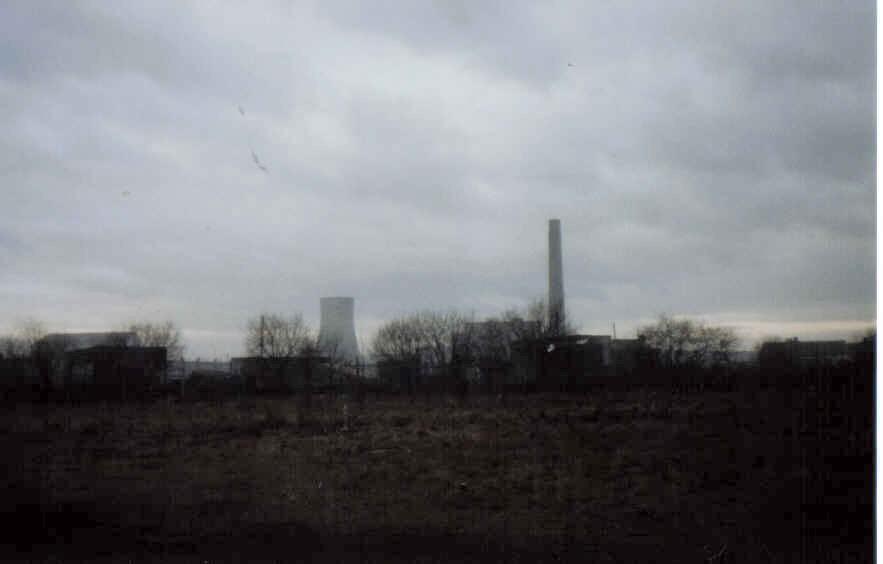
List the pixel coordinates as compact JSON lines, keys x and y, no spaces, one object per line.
{"x":679,"y":343}
{"x":27,"y":334}
{"x":434,"y":338}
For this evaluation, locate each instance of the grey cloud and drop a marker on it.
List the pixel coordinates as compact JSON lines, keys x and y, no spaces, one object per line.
{"x":712,"y":159}
{"x":504,"y":38}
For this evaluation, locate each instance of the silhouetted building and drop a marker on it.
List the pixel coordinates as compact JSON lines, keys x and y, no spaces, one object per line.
{"x":863,"y":352}
{"x":109,"y":365}
{"x":743,"y":357}
{"x":212,"y":384}
{"x":794,"y":353}
{"x":566,"y":363}
{"x":400,"y":376}
{"x":628,"y":356}
{"x":62,"y":342}
{"x":113,"y":372}
{"x":492,"y":376}
{"x":183,"y":369}
{"x":282,"y":375}
{"x":19,"y":378}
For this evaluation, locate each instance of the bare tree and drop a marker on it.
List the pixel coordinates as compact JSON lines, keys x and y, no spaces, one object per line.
{"x":398,"y":340}
{"x":273,"y":336}
{"x":718,"y":344}
{"x":438,"y":339}
{"x":491,"y":341}
{"x":683,"y":342}
{"x":668,"y":337}
{"x":525,"y":325}
{"x":276,"y":340}
{"x":31,"y":331}
{"x":341,"y":368}
{"x":493,"y":338}
{"x":24,"y":339}
{"x":446,"y":336}
{"x":10,"y":347}
{"x":550,"y":325}
{"x":165,"y":334}
{"x":441,"y":339}
{"x":497,"y":334}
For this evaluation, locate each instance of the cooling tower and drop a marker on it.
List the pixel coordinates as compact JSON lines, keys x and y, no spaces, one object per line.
{"x":556,"y":275}
{"x":337,"y":331}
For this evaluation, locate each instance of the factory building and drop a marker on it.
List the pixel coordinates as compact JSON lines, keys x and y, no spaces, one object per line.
{"x":796,"y":353}
{"x":561,"y":364}
{"x":109,"y":365}
{"x":282,"y":375}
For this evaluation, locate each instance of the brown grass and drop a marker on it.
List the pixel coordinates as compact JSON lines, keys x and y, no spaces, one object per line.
{"x":638,"y":476}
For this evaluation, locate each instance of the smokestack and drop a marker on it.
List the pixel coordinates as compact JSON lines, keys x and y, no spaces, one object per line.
{"x":556,"y":277}
{"x":337,"y":331}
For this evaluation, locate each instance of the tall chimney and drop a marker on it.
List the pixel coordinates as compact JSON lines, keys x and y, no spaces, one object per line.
{"x":556,"y":277}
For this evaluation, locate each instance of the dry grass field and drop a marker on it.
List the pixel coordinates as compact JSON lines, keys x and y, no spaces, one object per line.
{"x":641,"y":476}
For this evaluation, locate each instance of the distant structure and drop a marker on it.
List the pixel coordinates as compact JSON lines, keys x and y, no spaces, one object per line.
{"x":556,"y":276}
{"x":337,"y":330}
{"x":111,"y":365}
{"x":283,"y":375}
{"x":63,"y":342}
{"x":561,"y":363}
{"x":183,"y":369}
{"x":797,"y":353}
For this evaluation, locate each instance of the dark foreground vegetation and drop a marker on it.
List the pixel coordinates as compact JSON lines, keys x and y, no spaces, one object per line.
{"x":633,"y":476}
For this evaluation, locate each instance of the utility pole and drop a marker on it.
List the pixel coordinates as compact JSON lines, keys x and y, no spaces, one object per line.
{"x":261,"y":360}
{"x":261,"y":339}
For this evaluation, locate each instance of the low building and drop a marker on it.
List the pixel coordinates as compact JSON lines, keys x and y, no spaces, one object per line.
{"x":743,"y":358}
{"x":864,"y":351}
{"x":282,"y":375}
{"x":793,"y":353}
{"x":110,"y":365}
{"x":19,"y":378}
{"x":114,"y":372}
{"x":560,"y":364}
{"x":399,"y":376}
{"x":61,"y":342}
{"x":183,"y":369}
{"x":628,"y":355}
{"x":211,"y":384}
{"x":492,"y":376}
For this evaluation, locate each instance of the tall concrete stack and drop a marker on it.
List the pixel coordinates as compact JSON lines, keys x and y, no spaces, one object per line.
{"x":556,"y":276}
{"x":337,"y":330}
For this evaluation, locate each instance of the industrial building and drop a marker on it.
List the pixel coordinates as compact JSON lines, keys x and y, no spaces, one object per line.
{"x":62,"y":342}
{"x":283,"y":375}
{"x":562,"y":363}
{"x":400,"y":376}
{"x":794,"y":353}
{"x":109,"y":365}
{"x":337,"y":329}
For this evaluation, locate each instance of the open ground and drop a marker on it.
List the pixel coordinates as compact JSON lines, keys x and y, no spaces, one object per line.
{"x":606,"y":477}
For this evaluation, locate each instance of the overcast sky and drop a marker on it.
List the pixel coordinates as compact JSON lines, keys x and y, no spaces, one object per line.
{"x":711,"y":159}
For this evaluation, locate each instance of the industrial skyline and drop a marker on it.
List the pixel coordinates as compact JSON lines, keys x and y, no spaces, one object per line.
{"x":170,"y":160}
{"x":439,"y":280}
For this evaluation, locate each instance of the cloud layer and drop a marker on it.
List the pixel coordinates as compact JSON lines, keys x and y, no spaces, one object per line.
{"x":713,"y":159}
